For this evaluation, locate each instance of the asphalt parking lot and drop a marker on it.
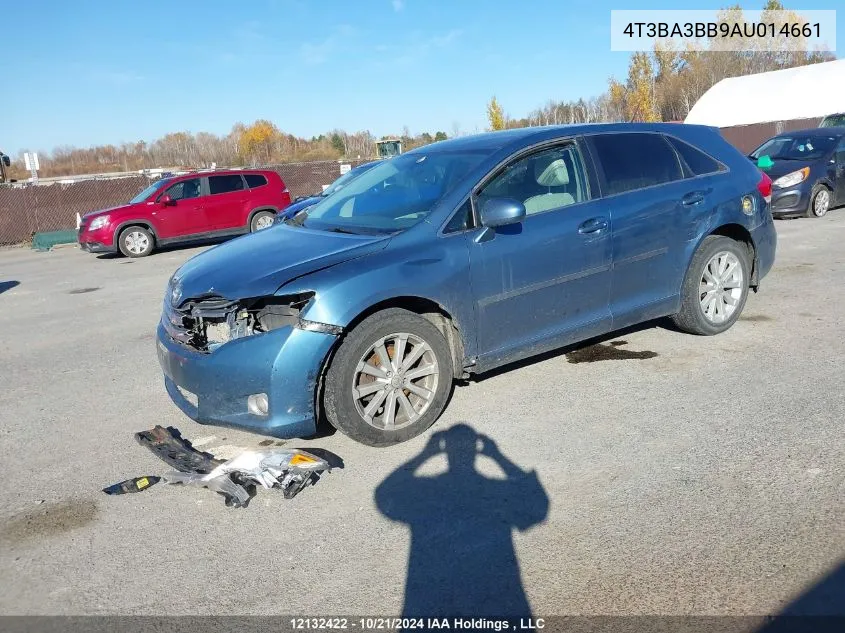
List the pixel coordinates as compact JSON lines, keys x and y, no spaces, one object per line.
{"x":683,"y":475}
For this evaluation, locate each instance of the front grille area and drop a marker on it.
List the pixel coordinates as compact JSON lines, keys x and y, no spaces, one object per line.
{"x":785,"y":201}
{"x":177,"y":325}
{"x":201,"y":324}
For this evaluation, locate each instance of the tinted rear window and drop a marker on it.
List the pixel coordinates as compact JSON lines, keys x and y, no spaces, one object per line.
{"x":697,"y":161}
{"x":635,"y":160}
{"x":255,"y":180}
{"x":225,"y":184}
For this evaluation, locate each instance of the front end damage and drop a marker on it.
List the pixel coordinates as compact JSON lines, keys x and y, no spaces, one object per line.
{"x":250,"y":363}
{"x":205,"y":324}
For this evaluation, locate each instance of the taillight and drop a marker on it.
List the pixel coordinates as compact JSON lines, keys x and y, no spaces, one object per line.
{"x":765,"y":187}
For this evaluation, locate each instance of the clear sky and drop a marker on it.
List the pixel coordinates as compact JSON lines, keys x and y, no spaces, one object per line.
{"x":107,"y":71}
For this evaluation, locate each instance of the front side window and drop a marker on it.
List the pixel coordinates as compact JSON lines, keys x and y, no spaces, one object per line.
{"x":548,"y":179}
{"x":225,"y":184}
{"x":394,"y":195}
{"x":635,"y":160}
{"x":184,"y":189}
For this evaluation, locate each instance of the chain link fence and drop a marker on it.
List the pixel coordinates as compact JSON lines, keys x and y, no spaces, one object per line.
{"x":28,"y":208}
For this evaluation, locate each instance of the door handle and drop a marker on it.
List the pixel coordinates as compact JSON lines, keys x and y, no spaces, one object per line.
{"x":693,"y":198}
{"x":593,"y":225}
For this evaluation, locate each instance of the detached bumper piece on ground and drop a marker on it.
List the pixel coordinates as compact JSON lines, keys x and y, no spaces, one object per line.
{"x":131,"y":485}
{"x":235,"y":479}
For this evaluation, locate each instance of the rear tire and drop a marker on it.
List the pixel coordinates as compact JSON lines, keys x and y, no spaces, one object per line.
{"x":384,"y":401}
{"x":261,"y":220}
{"x":820,"y":199}
{"x":715,"y":287}
{"x":136,"y":241}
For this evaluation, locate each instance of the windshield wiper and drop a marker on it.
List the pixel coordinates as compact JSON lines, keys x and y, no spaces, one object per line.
{"x":338,"y":229}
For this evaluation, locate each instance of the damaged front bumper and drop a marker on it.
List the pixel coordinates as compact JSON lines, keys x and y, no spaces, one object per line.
{"x":214,"y":387}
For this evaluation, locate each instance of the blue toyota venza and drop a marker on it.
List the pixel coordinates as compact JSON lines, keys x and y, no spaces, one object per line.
{"x":456,"y":258}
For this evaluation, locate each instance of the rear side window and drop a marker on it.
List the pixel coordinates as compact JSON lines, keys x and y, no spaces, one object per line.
{"x":636,"y":160}
{"x":255,"y":180}
{"x":225,"y":184}
{"x":695,"y":162}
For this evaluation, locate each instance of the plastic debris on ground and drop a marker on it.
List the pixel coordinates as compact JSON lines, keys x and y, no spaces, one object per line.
{"x":290,"y":470}
{"x":132,"y":485}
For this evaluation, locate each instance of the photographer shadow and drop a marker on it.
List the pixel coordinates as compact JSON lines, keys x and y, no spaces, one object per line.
{"x":462,"y":561}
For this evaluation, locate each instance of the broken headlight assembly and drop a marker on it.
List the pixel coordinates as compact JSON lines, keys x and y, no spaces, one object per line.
{"x":206,"y":324}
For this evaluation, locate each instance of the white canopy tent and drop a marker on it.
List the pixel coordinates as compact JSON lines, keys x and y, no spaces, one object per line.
{"x":804,"y":92}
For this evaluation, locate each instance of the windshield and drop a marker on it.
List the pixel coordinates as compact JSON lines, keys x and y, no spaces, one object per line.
{"x":146,"y":193}
{"x":393,"y":195}
{"x":795,"y":147}
{"x":834,"y":120}
{"x":345,"y":179}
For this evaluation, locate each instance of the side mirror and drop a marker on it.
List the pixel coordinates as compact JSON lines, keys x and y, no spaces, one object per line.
{"x":167,"y":201}
{"x":7,"y":161}
{"x":501,"y":212}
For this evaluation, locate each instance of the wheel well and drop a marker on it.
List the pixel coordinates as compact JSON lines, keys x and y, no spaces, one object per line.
{"x":126,"y":225}
{"x":253,"y":213}
{"x":433,"y":312}
{"x":739,"y":233}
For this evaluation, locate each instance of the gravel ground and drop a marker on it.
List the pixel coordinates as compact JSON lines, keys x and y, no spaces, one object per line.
{"x":674,"y":474}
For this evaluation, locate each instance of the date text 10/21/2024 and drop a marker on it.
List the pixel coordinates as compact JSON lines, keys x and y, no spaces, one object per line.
{"x":391,"y":624}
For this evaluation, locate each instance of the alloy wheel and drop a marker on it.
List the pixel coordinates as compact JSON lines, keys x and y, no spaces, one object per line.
{"x":136,"y":242}
{"x":264,"y":222}
{"x":721,"y":287}
{"x":821,"y":203}
{"x":395,"y":381}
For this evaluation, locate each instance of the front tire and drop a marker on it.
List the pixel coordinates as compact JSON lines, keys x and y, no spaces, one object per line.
{"x":389,"y":380}
{"x":820,"y":199}
{"x":261,"y":220}
{"x":136,"y":241}
{"x":715,"y":287}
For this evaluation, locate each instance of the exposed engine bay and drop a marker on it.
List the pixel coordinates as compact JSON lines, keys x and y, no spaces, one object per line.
{"x":206,"y":324}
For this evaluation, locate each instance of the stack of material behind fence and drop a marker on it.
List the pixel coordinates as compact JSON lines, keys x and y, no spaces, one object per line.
{"x":26,"y":208}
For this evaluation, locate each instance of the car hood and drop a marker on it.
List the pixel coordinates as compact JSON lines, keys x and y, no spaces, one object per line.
{"x":257,"y":265}
{"x":295,"y":207}
{"x":783,"y":167}
{"x":91,"y":214}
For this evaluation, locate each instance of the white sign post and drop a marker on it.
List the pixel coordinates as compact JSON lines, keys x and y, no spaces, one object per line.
{"x":31,"y":162}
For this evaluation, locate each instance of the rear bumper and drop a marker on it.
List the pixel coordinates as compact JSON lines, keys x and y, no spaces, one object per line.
{"x":285,"y":364}
{"x":765,"y":240}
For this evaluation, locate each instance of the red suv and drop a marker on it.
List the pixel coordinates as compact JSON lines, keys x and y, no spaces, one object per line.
{"x":186,"y":208}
